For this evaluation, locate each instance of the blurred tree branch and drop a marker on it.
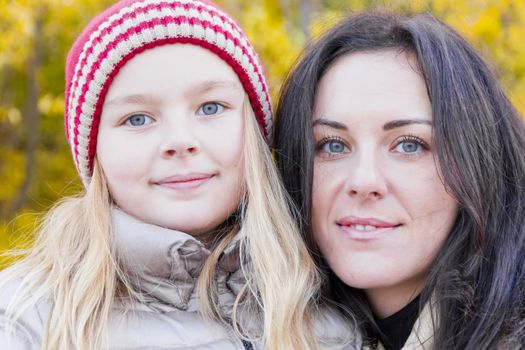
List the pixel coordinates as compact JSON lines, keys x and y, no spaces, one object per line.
{"x":31,"y":115}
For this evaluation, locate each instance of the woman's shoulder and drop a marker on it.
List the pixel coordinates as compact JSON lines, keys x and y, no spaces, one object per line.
{"x":26,"y":330}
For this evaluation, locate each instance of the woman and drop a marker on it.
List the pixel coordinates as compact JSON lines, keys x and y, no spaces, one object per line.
{"x":406,"y":160}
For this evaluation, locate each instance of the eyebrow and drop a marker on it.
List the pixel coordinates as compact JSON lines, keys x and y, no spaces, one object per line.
{"x":388,"y":126}
{"x":200,"y":88}
{"x":132,"y":99}
{"x":403,"y":122}
{"x":213,"y":84}
{"x":329,"y":123}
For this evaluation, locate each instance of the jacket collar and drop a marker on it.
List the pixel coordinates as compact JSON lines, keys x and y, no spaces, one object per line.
{"x":163,"y":265}
{"x":423,"y":331}
{"x":422,"y":334}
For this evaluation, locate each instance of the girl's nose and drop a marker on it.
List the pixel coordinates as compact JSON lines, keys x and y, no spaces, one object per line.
{"x":366,"y":179}
{"x":179,"y":141}
{"x":179,"y":149}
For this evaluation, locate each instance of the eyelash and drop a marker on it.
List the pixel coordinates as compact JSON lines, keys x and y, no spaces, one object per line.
{"x":128,"y":118}
{"x":321,"y":143}
{"x":411,"y":138}
{"x":406,"y":138}
{"x":219,"y":104}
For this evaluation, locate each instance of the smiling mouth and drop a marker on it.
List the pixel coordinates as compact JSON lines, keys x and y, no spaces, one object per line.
{"x":365,"y":229}
{"x":365,"y":233}
{"x":185,"y":182}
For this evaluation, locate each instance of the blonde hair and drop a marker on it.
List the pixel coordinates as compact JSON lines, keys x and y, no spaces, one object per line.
{"x":73,"y":261}
{"x":282,"y":278}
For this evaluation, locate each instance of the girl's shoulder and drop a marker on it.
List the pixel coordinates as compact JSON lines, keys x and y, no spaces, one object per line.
{"x":24,"y":332}
{"x":335,"y":331}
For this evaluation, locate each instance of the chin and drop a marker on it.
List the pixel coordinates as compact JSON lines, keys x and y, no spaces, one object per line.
{"x":195,"y":228}
{"x":362,"y":279}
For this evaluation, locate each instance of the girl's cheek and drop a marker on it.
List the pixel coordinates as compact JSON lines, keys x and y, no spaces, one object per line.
{"x":225,"y":141}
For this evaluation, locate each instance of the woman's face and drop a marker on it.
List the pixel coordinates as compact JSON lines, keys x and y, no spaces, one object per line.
{"x":380,"y":210}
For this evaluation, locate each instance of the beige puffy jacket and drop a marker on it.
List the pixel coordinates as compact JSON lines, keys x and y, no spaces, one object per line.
{"x":164,"y":266}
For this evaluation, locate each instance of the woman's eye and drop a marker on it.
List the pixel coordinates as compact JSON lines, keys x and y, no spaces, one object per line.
{"x":409,"y":146}
{"x":210,"y":108}
{"x":333,"y":147}
{"x":138,"y":120}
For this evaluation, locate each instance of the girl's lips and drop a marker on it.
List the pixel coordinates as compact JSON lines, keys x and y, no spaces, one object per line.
{"x":365,"y":229}
{"x":184,"y":181}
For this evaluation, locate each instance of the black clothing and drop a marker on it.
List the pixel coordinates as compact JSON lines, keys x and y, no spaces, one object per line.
{"x":397,"y":327}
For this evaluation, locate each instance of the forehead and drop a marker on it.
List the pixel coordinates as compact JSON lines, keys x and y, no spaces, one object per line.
{"x":383,"y":84}
{"x":173,"y":68}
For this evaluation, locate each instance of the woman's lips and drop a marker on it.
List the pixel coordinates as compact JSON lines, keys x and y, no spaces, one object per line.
{"x":365,"y":229}
{"x":185,"y":181}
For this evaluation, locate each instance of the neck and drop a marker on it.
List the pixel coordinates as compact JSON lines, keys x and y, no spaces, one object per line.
{"x":386,"y":301}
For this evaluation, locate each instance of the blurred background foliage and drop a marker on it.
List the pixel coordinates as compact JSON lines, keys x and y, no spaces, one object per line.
{"x":35,"y":164}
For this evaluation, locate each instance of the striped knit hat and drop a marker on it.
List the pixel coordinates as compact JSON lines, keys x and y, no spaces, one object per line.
{"x":128,"y":28}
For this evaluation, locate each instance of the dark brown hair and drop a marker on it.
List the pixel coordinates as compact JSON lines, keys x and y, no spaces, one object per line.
{"x":477,"y":280}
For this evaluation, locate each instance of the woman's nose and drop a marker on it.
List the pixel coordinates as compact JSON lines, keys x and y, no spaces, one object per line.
{"x":366,"y":178}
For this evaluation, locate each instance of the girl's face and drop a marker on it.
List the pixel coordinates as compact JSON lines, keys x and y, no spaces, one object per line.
{"x":380,"y":210}
{"x":171,"y":136}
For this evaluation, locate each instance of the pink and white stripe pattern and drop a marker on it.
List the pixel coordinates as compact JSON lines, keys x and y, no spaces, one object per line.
{"x":132,"y":26}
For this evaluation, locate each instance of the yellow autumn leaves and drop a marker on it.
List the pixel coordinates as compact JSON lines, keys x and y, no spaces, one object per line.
{"x":36,"y":35}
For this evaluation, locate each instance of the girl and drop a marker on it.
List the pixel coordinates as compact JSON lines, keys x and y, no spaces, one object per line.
{"x":183,"y":218}
{"x":407,"y":161}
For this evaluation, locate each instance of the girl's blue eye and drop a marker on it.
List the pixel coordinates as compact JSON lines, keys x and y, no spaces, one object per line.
{"x":210,"y":108}
{"x":138,"y":120}
{"x":333,"y":147}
